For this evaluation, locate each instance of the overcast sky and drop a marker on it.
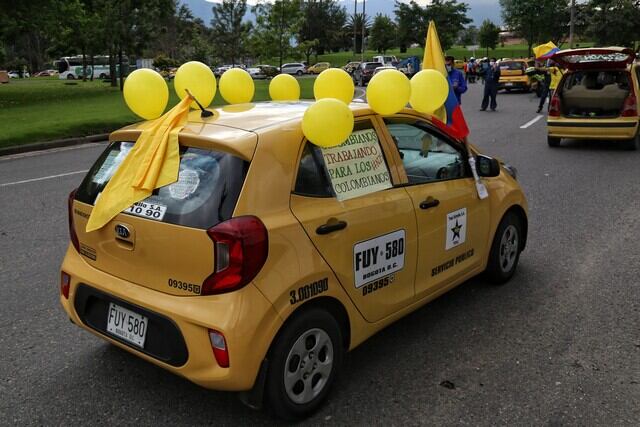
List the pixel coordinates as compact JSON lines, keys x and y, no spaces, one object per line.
{"x":479,"y":9}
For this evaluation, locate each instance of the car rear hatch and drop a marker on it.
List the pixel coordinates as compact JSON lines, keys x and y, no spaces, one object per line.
{"x":595,"y":58}
{"x":512,"y":68}
{"x":162,"y":241}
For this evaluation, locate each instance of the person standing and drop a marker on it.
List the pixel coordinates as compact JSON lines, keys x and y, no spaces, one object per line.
{"x":491,"y":79}
{"x":456,"y":78}
{"x":552,"y":75}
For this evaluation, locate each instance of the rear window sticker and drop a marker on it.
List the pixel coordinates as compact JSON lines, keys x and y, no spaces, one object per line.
{"x":357,"y":166}
{"x":378,"y":257}
{"x":456,"y":228}
{"x":188,"y":181}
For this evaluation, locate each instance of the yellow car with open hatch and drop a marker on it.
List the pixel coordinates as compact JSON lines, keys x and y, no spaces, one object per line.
{"x":271,"y":257}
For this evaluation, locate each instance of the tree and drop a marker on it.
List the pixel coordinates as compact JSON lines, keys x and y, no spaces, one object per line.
{"x":355,"y":23}
{"x":537,"y":21}
{"x":322,"y":21}
{"x":488,"y":35}
{"x":613,"y":22}
{"x":468,"y":36}
{"x":229,"y":29}
{"x":383,"y":33}
{"x":412,"y":19}
{"x":277,"y":24}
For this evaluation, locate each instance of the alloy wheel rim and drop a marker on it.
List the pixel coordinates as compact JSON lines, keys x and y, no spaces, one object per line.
{"x":508,"y":248}
{"x":308,"y":366}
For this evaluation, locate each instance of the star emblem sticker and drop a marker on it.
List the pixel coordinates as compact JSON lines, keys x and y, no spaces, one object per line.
{"x":456,"y":230}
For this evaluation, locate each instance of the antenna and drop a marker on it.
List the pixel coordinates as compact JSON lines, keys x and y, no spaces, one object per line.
{"x":204,"y":113}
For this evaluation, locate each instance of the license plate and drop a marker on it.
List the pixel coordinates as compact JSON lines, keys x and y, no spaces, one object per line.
{"x":147,"y":210}
{"x":130,"y":326}
{"x":508,"y":84}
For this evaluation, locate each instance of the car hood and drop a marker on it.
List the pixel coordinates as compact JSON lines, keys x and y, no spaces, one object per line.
{"x":595,"y":57}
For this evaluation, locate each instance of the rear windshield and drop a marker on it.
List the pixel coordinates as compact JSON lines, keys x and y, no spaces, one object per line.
{"x":372,"y":65}
{"x":205,"y":194}
{"x":512,"y":65}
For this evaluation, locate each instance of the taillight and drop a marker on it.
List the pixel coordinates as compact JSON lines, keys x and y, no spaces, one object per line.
{"x":219,"y":346}
{"x":630,"y":106}
{"x":65,"y":284}
{"x":72,"y":230}
{"x":554,"y":106}
{"x":241,"y":246}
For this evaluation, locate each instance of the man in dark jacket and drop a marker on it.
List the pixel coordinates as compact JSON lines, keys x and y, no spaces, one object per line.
{"x":456,"y":78}
{"x":491,"y":78}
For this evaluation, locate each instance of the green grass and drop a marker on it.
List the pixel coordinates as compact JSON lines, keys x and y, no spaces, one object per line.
{"x":41,"y":109}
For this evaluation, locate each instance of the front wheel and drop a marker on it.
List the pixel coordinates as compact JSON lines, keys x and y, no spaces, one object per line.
{"x":505,"y":250}
{"x":553,"y":141}
{"x":303,"y":362}
{"x":298,"y":73}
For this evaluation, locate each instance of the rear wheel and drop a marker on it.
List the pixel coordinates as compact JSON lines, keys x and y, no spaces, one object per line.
{"x":70,"y":77}
{"x":303,"y":362}
{"x":553,"y":141}
{"x":299,"y":72}
{"x":634,"y":143}
{"x":505,"y":249}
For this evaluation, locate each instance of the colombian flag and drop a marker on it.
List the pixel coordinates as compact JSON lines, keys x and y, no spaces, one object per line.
{"x":545,"y":51}
{"x":456,"y":125}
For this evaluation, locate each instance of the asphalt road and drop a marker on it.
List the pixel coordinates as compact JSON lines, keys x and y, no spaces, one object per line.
{"x":558,"y":345}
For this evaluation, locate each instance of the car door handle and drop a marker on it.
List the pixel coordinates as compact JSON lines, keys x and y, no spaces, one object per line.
{"x":429,"y":203}
{"x":330,"y":227}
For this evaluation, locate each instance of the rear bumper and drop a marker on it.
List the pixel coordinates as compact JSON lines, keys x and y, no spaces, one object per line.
{"x":514,"y":84}
{"x":247,"y":320}
{"x":592,"y":129}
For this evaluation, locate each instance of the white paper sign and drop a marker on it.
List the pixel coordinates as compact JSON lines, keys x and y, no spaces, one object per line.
{"x":357,"y":167}
{"x":378,"y":257}
{"x":456,"y":228}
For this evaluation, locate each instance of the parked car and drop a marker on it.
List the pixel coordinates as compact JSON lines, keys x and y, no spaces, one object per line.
{"x":296,"y":68}
{"x":597,"y":98}
{"x":237,"y":288}
{"x":256,"y":73}
{"x":364,"y":72}
{"x":269,"y":70}
{"x":16,"y":74}
{"x":379,"y":69}
{"x":351,"y":67}
{"x":318,"y":68}
{"x":46,"y":73}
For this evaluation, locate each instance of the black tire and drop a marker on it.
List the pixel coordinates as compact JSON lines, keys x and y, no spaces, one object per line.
{"x":70,"y":77}
{"x":633,"y":144}
{"x":303,"y":327}
{"x":505,"y":249}
{"x":299,"y":73}
{"x":102,"y":76}
{"x":553,"y":141}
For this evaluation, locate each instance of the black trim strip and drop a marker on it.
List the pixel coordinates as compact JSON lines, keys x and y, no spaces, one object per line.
{"x":592,"y":125}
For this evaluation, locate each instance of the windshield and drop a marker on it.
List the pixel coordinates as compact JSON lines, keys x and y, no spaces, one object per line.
{"x":512,"y":65}
{"x":372,"y":65}
{"x":205,"y":194}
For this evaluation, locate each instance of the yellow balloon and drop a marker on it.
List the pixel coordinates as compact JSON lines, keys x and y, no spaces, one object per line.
{"x":328,"y":122}
{"x":199,"y":80}
{"x":284,"y":87}
{"x":236,"y":86}
{"x":334,"y":83}
{"x":429,"y":91}
{"x":388,"y":92}
{"x":146,"y":93}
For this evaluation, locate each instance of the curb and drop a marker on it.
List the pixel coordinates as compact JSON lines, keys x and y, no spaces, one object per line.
{"x":37,"y":146}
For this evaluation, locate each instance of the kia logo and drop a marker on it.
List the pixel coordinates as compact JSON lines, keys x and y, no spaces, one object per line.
{"x":122,"y":231}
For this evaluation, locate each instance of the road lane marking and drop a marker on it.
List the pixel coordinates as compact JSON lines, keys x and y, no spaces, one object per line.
{"x":532,"y":121}
{"x":25,"y":181}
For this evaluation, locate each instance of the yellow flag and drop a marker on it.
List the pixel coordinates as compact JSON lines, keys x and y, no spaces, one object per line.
{"x":545,"y":50}
{"x":433,"y":56}
{"x":153,"y":162}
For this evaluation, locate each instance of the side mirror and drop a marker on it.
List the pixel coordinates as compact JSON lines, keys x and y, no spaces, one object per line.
{"x":487,"y":166}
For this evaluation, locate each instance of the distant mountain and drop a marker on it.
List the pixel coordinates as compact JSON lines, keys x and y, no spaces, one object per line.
{"x":479,"y":10}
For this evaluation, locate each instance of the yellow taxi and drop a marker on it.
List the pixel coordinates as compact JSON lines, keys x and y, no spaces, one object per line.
{"x":270,"y":257}
{"x":513,"y":75}
{"x":318,"y":68}
{"x":597,"y":97}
